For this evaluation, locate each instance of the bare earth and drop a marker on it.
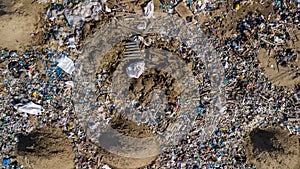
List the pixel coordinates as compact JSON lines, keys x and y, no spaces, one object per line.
{"x":45,"y":148}
{"x":278,"y":75}
{"x":19,"y":23}
{"x":273,"y":149}
{"x":131,"y":129}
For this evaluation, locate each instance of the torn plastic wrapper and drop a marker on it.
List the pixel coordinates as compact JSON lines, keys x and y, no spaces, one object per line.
{"x":83,"y":13}
{"x":107,"y":9}
{"x":66,"y":64}
{"x":74,"y":20}
{"x":134,"y":70}
{"x":70,"y":83}
{"x":30,"y":108}
{"x":72,"y":43}
{"x":106,"y":167}
{"x":149,"y":10}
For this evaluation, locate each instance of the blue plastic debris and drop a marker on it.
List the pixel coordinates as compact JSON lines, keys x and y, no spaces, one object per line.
{"x":112,"y":108}
{"x":5,"y":161}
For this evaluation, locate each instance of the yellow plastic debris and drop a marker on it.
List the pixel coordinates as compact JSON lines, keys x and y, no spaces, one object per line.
{"x":35,"y":94}
{"x":70,"y":127}
{"x":3,"y":92}
{"x":237,"y":6}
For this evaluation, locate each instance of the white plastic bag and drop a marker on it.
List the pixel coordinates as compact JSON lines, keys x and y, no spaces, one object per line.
{"x":135,"y":70}
{"x":66,"y":64}
{"x":30,"y":108}
{"x":149,"y":10}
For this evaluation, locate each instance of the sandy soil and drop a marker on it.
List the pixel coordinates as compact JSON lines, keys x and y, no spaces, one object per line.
{"x":45,"y":148}
{"x":131,"y":129}
{"x":272,"y":148}
{"x":278,"y":75}
{"x":19,"y":24}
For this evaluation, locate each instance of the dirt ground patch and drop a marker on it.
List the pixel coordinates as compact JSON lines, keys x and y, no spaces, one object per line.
{"x":273,"y":148}
{"x":19,"y":24}
{"x":287,"y":76}
{"x":278,"y":75}
{"x":131,"y":131}
{"x":45,"y":148}
{"x":228,"y":26}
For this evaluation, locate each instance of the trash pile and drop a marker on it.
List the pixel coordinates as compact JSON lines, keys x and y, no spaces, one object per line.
{"x":36,"y":86}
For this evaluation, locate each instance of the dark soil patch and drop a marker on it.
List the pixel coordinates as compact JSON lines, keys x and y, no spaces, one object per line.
{"x":273,"y":148}
{"x":128,"y":131}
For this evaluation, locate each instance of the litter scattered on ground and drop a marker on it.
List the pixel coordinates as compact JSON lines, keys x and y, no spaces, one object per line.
{"x":257,"y":43}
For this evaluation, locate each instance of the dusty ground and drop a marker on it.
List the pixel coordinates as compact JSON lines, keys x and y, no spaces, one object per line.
{"x":131,"y":129}
{"x":19,"y":24}
{"x":278,"y":75}
{"x":119,"y":162}
{"x":229,"y":24}
{"x":273,"y":149}
{"x":45,"y":148}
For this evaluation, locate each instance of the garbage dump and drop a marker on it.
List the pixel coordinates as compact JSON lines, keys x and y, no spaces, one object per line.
{"x":228,"y":71}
